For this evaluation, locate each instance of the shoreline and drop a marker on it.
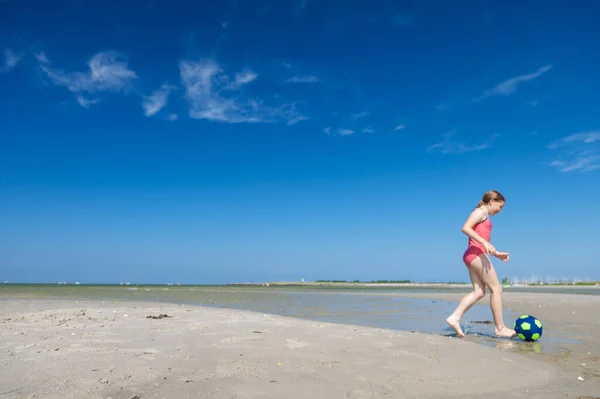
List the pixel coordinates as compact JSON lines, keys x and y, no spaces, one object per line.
{"x":343,"y":284}
{"x":593,"y":284}
{"x":589,"y":285}
{"x":98,"y":349}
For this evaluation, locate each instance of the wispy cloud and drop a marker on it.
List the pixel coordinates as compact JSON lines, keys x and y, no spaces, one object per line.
{"x":295,"y":119}
{"x":341,"y":132}
{"x":399,"y":127}
{"x":42,"y":58}
{"x":441,"y":107}
{"x":582,"y":162}
{"x":578,"y":152}
{"x":303,"y":79}
{"x":509,"y":86}
{"x":347,"y":131}
{"x":108,"y":71}
{"x":11,"y":59}
{"x":449,"y":145}
{"x":589,"y":137}
{"x":212,"y":95}
{"x":157,"y":100}
{"x":242,"y":78}
{"x":360,"y":115}
{"x":85,"y":102}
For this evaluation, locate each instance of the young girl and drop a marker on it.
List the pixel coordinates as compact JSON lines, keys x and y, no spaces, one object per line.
{"x":479,"y":228}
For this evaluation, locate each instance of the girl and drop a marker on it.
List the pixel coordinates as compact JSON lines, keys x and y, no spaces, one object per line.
{"x":479,"y":228}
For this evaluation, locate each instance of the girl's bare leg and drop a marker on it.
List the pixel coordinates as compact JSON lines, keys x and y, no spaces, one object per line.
{"x":467,"y":301}
{"x":483,"y":267}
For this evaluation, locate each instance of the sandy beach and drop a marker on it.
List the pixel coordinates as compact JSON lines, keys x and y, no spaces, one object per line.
{"x":101,"y":349}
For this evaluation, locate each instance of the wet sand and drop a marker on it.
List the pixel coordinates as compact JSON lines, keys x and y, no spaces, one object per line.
{"x":95,"y":349}
{"x":576,"y":318}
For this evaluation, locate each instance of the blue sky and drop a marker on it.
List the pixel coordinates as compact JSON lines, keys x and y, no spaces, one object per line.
{"x":280,"y":140}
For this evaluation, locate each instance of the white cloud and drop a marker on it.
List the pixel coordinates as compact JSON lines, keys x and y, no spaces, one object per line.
{"x":368,"y":129}
{"x":589,"y":137}
{"x":580,"y":162}
{"x":509,"y":86}
{"x":244,"y":77}
{"x":360,"y":115}
{"x":108,"y":71}
{"x":11,"y":59}
{"x":341,"y":132}
{"x":399,"y":127}
{"x":303,"y":79}
{"x":157,"y":100}
{"x":451,"y":146}
{"x":295,"y":119}
{"x":205,"y":84}
{"x":580,"y":152}
{"x":584,"y":137}
{"x":172,"y":117}
{"x":85,"y":103}
{"x":41,"y":57}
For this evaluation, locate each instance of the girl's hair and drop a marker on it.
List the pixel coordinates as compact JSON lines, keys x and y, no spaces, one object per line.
{"x":491,"y":195}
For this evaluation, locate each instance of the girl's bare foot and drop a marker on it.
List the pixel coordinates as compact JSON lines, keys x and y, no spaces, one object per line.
{"x":505,"y":332}
{"x":455,"y":324}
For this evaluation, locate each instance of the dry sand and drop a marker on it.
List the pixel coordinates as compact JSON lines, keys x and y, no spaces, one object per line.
{"x":93,"y":349}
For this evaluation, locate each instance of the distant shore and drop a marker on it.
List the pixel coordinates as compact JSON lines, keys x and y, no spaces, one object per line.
{"x":408,"y":284}
{"x":324,"y":283}
{"x":346,"y":284}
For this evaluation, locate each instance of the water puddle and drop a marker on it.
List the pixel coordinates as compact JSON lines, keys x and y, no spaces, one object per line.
{"x":399,"y":313}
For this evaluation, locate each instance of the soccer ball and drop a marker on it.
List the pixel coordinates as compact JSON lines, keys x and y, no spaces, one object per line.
{"x":528,"y":328}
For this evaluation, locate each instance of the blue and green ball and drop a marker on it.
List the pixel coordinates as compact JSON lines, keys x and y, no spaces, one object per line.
{"x":528,"y":328}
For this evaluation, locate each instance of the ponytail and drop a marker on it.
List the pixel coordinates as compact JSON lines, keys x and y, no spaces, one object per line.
{"x":490,"y":195}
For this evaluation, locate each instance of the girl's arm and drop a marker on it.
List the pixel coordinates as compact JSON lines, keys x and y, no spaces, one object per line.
{"x":503,"y":256}
{"x":475,"y":217}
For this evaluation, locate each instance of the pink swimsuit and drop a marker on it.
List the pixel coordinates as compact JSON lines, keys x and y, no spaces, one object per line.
{"x":474,"y":249}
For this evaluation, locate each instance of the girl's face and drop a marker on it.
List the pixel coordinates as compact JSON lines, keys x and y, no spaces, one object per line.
{"x":495,"y":207}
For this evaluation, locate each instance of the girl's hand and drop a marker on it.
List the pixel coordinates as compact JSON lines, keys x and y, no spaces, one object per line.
{"x":489,"y":248}
{"x":503,"y":256}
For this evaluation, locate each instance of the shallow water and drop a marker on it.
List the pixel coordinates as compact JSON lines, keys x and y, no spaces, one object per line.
{"x":322,"y":304}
